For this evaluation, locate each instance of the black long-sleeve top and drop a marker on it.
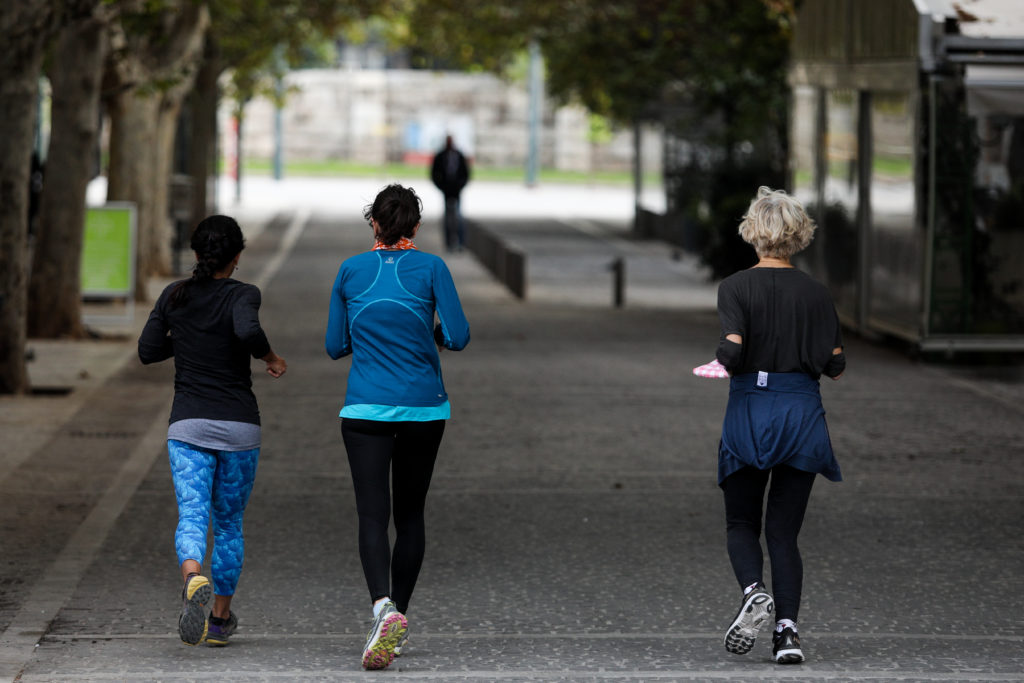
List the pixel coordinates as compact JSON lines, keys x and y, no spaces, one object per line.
{"x":787,"y":322}
{"x":211,"y":338}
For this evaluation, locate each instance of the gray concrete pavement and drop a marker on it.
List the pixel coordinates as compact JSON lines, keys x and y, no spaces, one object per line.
{"x":569,"y":261}
{"x":575,"y":531}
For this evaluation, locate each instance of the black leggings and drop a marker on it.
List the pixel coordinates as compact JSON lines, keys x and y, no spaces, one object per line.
{"x":406,"y":451}
{"x":787,"y":502}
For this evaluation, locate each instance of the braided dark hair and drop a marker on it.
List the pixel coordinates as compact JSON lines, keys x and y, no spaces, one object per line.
{"x":216,"y":241}
{"x":397,"y":211}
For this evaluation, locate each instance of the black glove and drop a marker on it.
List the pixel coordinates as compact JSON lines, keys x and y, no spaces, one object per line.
{"x":438,"y":335}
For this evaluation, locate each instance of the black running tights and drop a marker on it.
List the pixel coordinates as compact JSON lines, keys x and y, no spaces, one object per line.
{"x":404,"y":453}
{"x":784,"y":514}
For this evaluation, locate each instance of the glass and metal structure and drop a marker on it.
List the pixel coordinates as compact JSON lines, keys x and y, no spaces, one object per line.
{"x":907,"y":145}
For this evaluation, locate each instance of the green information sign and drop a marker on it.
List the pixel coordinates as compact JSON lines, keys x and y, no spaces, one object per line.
{"x":108,"y":251}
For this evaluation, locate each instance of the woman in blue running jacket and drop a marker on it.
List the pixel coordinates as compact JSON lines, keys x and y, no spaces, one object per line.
{"x":210,"y":325}
{"x":383,"y":308}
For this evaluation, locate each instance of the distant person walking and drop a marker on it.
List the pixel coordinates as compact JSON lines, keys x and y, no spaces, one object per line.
{"x":780,"y":333}
{"x":382,"y":312}
{"x":450,"y":173}
{"x":210,"y":325}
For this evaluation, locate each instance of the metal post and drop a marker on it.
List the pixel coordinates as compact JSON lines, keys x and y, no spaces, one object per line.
{"x":238,"y":156}
{"x":930,"y":207}
{"x":618,"y":268}
{"x":213,"y":177}
{"x":638,"y":175}
{"x":278,"y":105}
{"x":533,"y":116}
{"x":38,"y":137}
{"x":277,"y":141}
{"x":865,"y":155}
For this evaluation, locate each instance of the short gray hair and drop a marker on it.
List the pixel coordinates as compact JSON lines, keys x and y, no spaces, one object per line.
{"x":776,"y":224}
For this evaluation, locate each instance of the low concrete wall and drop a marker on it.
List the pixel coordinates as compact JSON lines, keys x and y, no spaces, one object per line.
{"x":506,"y":263}
{"x":675,"y":229}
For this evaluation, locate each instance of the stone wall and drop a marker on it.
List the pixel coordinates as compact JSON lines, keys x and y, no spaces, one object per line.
{"x":379,"y":116}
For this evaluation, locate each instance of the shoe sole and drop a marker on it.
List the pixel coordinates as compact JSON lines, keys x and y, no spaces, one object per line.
{"x":192,"y":624}
{"x":756,"y":610}
{"x":791,"y":656}
{"x":381,"y":651}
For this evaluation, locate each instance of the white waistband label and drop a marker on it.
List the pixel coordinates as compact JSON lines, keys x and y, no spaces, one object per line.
{"x":762,"y":379}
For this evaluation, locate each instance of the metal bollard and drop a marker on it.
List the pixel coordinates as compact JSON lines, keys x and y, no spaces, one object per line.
{"x":618,"y":268}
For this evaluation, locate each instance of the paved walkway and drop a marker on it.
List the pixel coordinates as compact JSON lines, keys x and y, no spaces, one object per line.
{"x":575,"y":531}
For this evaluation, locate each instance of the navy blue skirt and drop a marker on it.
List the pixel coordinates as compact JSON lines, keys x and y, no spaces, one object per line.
{"x":775,"y":419}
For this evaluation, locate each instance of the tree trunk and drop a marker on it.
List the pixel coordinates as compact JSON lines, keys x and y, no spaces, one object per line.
{"x":54,"y":298}
{"x":132,"y":171}
{"x":18,"y":93}
{"x":139,"y":148}
{"x":166,"y":128}
{"x":23,"y":30}
{"x":191,"y":33}
{"x":203,"y":144}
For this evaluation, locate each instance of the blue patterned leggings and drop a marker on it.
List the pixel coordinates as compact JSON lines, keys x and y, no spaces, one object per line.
{"x":208,"y":480}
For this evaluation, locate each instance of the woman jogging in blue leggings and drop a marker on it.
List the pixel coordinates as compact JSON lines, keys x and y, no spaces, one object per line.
{"x":383,"y":307}
{"x":210,"y":325}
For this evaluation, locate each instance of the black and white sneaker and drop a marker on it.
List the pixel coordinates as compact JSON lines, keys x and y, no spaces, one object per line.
{"x":755,"y":610}
{"x":786,"y":647}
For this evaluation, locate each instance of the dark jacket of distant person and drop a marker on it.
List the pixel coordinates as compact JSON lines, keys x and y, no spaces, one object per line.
{"x":449,"y":171}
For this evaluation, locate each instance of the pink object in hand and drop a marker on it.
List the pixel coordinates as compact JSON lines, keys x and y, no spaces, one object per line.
{"x":714,"y":369}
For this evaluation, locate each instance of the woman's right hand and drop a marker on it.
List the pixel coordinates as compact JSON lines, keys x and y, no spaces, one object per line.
{"x":835,"y":352}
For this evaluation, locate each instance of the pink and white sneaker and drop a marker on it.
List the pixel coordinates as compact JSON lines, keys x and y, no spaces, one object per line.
{"x":389,"y":626}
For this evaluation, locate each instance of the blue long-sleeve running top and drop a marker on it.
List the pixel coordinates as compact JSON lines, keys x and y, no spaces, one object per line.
{"x":382,"y":312}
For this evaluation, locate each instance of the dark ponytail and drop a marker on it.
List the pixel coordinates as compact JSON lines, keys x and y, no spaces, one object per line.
{"x":216,"y":241}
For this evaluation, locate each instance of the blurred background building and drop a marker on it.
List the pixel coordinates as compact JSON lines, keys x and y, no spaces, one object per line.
{"x":375,"y":114}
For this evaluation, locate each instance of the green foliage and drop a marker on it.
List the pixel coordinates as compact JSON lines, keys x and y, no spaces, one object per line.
{"x":619,"y":59}
{"x":258,"y":40}
{"x":150,"y":31}
{"x":731,"y":108}
{"x":468,"y":35}
{"x":316,"y":54}
{"x":601,"y":130}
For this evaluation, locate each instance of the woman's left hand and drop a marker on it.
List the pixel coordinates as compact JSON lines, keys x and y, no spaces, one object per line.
{"x":276,"y":366}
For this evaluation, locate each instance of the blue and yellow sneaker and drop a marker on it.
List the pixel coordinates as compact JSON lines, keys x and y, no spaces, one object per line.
{"x":192,"y":625}
{"x":220,"y":630}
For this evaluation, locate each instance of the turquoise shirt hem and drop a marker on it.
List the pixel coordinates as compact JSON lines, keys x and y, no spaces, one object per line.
{"x":380,"y":413}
